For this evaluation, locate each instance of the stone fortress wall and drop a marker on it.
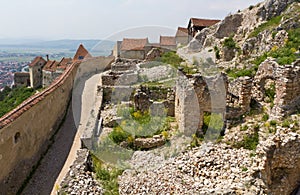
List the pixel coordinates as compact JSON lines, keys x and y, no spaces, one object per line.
{"x":26,"y":132}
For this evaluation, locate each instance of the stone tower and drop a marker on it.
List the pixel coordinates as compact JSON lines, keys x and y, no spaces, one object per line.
{"x":35,"y":71}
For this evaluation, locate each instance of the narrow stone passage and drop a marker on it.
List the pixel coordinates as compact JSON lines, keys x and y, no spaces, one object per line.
{"x":47,"y":172}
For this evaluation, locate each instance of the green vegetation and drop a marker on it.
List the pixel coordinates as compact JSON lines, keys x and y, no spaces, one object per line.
{"x":244,"y":128}
{"x":108,"y":176}
{"x":213,"y":126}
{"x":171,"y":58}
{"x":258,"y":60}
{"x":217,"y":52}
{"x":213,"y":121}
{"x":235,"y":73}
{"x":286,"y":54}
{"x":230,"y":43}
{"x":137,"y":124}
{"x":272,"y":23}
{"x":174,"y":60}
{"x":265,"y":117}
{"x":249,"y":142}
{"x":273,"y":123}
{"x":271,"y":92}
{"x":11,"y":98}
{"x":196,"y":141}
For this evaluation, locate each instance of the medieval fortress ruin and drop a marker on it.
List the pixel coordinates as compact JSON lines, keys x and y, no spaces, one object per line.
{"x":251,"y":140}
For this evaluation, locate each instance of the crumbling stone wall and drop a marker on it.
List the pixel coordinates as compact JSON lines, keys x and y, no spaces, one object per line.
{"x":241,"y":89}
{"x":286,"y":79}
{"x":281,"y":163}
{"x":121,"y":65}
{"x":287,"y":98}
{"x":196,"y":94}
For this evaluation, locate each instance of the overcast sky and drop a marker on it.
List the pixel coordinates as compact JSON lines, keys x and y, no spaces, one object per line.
{"x":99,"y":19}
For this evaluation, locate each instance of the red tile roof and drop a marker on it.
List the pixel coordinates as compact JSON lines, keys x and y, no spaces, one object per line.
{"x":81,"y":53}
{"x":167,"y":41}
{"x":36,"y":60}
{"x":133,"y":44}
{"x":64,"y":62}
{"x":203,"y":22}
{"x":182,"y":32}
{"x":50,"y":66}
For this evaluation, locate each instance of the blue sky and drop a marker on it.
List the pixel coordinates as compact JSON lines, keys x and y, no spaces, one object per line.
{"x":99,"y":19}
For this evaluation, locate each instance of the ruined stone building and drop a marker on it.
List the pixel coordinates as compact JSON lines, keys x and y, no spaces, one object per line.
{"x":44,"y":72}
{"x":132,"y":48}
{"x":54,"y":69}
{"x":196,"y":25}
{"x":35,"y":71}
{"x":167,"y":43}
{"x":21,"y":79}
{"x":182,"y":37}
{"x":139,"y":48}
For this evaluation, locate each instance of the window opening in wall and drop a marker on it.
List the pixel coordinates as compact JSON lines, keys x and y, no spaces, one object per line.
{"x":17,"y":137}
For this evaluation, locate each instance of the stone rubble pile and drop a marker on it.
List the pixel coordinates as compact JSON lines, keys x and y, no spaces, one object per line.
{"x":79,"y":180}
{"x":210,"y":169}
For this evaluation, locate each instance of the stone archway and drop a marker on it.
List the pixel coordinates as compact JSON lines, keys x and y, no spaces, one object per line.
{"x":264,"y":79}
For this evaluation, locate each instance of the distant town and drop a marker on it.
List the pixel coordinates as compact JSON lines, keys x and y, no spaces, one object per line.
{"x":15,"y":58}
{"x":7,"y":70}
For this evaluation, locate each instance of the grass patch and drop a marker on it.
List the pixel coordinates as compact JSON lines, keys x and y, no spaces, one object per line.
{"x":108,"y":176}
{"x":286,"y":54}
{"x":171,"y":58}
{"x":235,"y":73}
{"x":249,"y":142}
{"x":174,"y":60}
{"x":136,"y":124}
{"x":272,"y":23}
{"x":213,"y":121}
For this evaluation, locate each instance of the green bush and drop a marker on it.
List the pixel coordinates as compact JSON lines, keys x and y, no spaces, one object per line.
{"x":213,"y":121}
{"x":217,"y":52}
{"x":229,"y":43}
{"x":265,"y":117}
{"x":271,"y":92}
{"x":235,"y":73}
{"x":286,"y":123}
{"x":108,"y":176}
{"x":249,"y":142}
{"x":273,"y":123}
{"x":171,"y":58}
{"x":118,"y":135}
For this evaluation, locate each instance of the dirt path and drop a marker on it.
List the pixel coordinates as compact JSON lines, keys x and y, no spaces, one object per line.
{"x":88,"y":94}
{"x":45,"y":175}
{"x":62,"y":153}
